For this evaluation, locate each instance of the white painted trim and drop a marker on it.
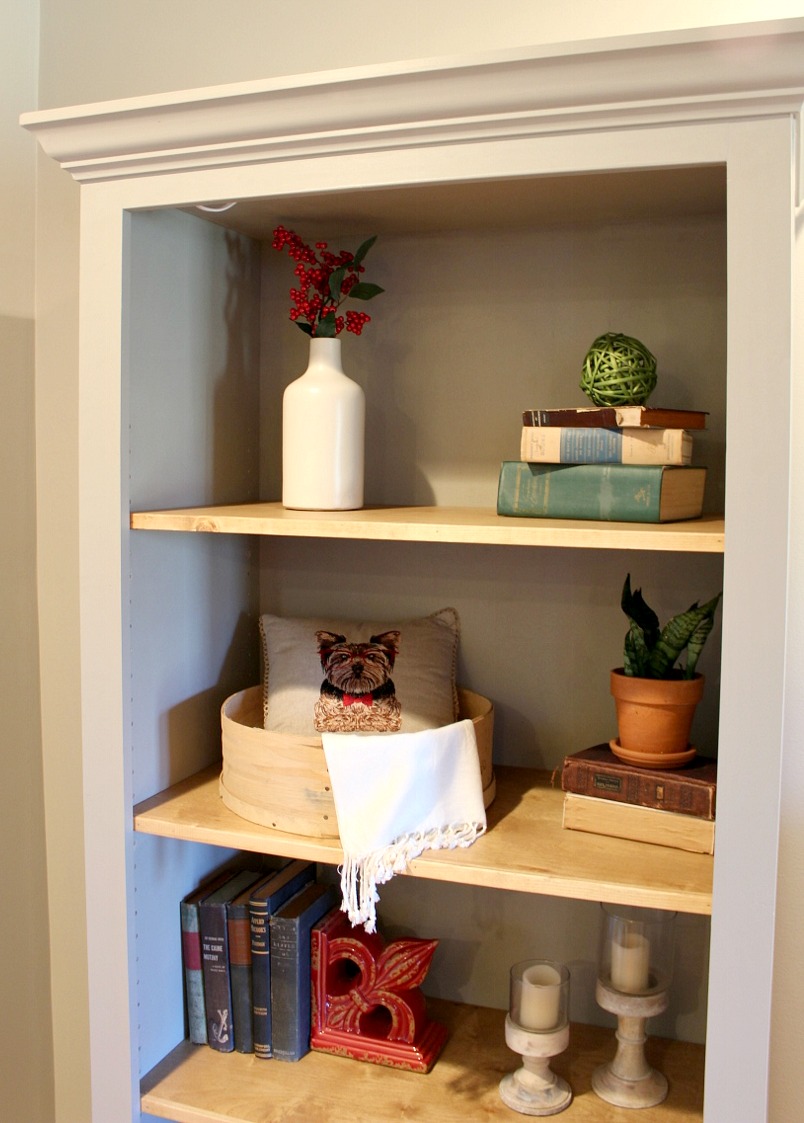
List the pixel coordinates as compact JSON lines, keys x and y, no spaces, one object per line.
{"x":752,"y":701}
{"x":606,"y":84}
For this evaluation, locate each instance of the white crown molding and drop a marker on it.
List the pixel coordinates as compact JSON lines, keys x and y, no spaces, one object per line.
{"x":712,"y":74}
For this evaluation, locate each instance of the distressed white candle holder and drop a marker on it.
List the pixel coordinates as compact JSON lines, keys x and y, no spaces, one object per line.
{"x":539,"y":998}
{"x":635,"y":966}
{"x":628,"y":1080}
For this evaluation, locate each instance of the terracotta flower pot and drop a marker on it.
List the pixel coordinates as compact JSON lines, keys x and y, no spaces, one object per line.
{"x":654,"y":718}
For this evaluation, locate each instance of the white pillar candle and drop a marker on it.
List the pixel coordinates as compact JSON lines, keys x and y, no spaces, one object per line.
{"x":540,"y":998}
{"x":630,"y":960}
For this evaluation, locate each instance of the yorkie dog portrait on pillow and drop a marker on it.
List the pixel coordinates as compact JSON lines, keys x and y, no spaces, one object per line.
{"x":357,"y":694}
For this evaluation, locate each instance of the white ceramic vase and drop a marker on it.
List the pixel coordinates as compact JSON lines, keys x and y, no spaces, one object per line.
{"x":323,"y":427}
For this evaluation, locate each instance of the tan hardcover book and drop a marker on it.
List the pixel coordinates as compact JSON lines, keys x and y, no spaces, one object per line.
{"x":589,"y":445}
{"x":640,"y":824}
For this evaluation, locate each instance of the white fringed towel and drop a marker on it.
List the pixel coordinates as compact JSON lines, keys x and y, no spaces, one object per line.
{"x":397,"y":795}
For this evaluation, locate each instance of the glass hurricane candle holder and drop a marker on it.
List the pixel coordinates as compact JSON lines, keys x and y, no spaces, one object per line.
{"x":635,"y":969}
{"x":537,"y":1027}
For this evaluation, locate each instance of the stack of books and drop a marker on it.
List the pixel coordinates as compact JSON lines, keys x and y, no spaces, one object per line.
{"x":246,"y":959}
{"x":629,"y":463}
{"x":605,"y":795}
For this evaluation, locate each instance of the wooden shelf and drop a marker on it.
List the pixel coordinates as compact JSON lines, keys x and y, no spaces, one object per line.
{"x":525,"y":847}
{"x":471,"y":525}
{"x":196,"y":1084}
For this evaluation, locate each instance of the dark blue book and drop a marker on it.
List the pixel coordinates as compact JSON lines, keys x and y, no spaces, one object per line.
{"x":238,"y":922}
{"x":291,"y":970}
{"x":265,"y":899}
{"x":215,"y":959}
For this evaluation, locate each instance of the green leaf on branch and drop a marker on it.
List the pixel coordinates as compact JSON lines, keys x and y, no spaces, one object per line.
{"x":304,"y":327}
{"x":326,"y":326}
{"x":365,"y":291}
{"x":335,"y":283}
{"x":364,"y":249}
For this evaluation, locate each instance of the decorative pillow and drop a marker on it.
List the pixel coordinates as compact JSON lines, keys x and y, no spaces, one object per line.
{"x":351,"y":676}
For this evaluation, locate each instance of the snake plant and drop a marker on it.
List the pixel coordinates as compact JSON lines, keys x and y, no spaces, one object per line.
{"x":651,"y":651}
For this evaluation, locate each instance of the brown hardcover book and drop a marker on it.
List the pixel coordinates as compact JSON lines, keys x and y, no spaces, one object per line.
{"x":616,"y":417}
{"x":597,"y":772}
{"x":639,"y":824}
{"x":238,"y":923}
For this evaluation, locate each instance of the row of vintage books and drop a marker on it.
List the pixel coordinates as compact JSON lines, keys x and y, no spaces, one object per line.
{"x":629,"y":463}
{"x":605,"y":795}
{"x":246,"y":943}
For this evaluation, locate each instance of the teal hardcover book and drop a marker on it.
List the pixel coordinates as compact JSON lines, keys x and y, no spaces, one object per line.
{"x":611,"y":492}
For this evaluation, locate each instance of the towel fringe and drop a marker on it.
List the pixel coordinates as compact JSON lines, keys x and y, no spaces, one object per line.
{"x":360,"y":876}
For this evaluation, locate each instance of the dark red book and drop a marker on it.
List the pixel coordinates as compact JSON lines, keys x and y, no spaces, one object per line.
{"x":238,"y":923}
{"x":192,"y":959}
{"x":690,"y":790}
{"x":617,"y":417}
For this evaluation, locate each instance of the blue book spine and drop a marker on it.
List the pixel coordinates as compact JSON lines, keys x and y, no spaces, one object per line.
{"x":591,"y":446}
{"x":265,"y":899}
{"x":291,"y":969}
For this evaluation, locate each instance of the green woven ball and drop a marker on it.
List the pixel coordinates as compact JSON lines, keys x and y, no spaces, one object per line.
{"x":618,"y":371}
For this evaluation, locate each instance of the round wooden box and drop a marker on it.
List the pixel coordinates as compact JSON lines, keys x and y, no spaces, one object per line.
{"x":281,"y":781}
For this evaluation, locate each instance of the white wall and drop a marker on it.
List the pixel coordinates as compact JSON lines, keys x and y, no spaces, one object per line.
{"x":93,"y":50}
{"x":25,"y":1032}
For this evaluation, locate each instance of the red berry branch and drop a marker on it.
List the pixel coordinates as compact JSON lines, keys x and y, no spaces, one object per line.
{"x":325,"y":281}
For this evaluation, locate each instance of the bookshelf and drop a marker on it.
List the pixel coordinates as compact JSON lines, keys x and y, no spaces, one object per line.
{"x":679,"y":159}
{"x":525,"y":849}
{"x":438,"y":524}
{"x":194,"y":1085}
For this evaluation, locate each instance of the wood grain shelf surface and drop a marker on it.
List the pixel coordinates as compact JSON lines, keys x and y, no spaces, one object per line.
{"x":196,"y":1084}
{"x":525,"y":848}
{"x":468,"y":525}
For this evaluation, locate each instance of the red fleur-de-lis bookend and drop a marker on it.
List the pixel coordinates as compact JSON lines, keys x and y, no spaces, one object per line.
{"x":366,"y":998}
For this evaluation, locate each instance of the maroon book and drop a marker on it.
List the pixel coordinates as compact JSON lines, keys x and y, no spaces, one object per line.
{"x":617,"y":417}
{"x":690,"y":790}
